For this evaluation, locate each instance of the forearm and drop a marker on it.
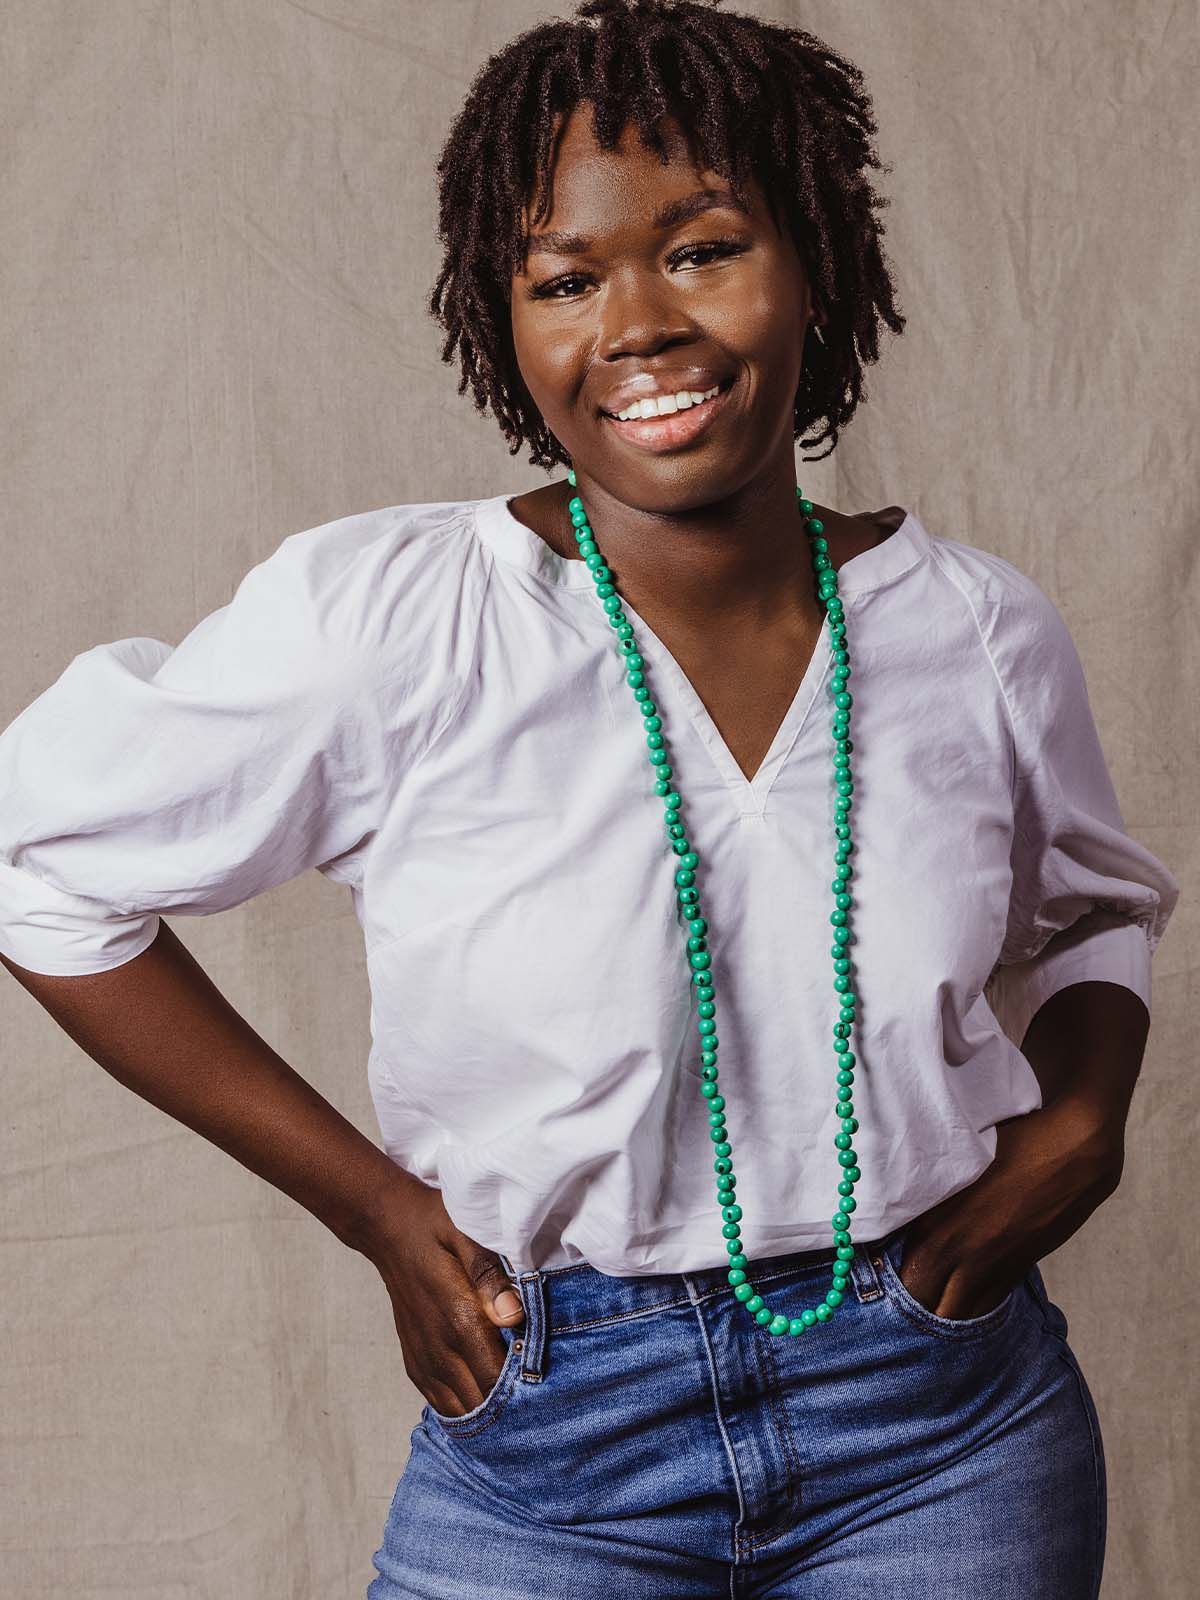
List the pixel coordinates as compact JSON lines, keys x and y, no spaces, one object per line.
{"x":159,"y":1025}
{"x":1085,"y":1046}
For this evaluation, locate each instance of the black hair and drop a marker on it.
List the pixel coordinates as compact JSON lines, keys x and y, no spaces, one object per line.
{"x":754,"y":99}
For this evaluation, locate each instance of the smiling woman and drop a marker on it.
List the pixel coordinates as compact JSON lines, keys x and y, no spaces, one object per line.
{"x":684,"y":818}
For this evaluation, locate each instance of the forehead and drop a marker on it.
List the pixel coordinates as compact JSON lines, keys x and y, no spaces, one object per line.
{"x":594,"y":190}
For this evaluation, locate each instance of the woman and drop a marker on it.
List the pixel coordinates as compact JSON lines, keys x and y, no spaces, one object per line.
{"x":585,"y":758}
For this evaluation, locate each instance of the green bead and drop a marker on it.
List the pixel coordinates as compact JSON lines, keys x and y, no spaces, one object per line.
{"x":699,"y":958}
{"x":778,"y":1323}
{"x":797,"y":1325}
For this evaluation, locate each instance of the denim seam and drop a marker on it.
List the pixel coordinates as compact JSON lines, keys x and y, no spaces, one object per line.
{"x":1099,"y":1510}
{"x":724,"y":1432}
{"x":751,"y":1541}
{"x":1066,"y":1355}
{"x":621,"y":1316}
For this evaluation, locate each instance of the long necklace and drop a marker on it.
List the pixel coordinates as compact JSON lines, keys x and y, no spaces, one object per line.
{"x":698,"y":954}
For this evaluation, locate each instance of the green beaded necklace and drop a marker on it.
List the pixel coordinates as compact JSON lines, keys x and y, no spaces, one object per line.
{"x":699,"y":959}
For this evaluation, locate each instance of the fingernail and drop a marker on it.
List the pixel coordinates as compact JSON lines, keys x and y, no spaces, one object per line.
{"x":507,"y":1302}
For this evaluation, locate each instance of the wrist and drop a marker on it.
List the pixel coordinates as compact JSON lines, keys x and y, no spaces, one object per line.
{"x":383,"y":1218}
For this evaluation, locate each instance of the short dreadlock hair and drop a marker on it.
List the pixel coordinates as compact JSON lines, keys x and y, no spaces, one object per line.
{"x":752,"y":98}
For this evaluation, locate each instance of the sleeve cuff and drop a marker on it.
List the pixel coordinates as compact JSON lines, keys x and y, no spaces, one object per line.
{"x":1101,"y":947}
{"x":45,"y":929}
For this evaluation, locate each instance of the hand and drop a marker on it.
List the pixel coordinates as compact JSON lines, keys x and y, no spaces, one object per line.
{"x":449,"y":1295}
{"x":1052,"y":1168}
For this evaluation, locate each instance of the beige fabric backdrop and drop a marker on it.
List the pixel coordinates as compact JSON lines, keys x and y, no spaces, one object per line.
{"x":219,"y":240}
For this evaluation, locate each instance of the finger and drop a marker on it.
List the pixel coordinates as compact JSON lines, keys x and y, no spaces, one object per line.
{"x":498,"y":1296}
{"x":472,"y":1359}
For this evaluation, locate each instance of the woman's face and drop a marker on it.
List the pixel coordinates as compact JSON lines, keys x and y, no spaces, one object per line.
{"x":649,"y":280}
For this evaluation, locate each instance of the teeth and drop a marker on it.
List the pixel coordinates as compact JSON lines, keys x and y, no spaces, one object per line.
{"x":663,"y":405}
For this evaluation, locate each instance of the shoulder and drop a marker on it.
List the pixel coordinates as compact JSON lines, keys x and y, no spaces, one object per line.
{"x":1020,"y":624}
{"x":368,"y":588}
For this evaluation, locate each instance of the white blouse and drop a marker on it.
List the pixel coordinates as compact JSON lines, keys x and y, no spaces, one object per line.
{"x":424,"y":702}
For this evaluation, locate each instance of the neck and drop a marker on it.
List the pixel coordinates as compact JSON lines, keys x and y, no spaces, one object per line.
{"x":744,"y":557}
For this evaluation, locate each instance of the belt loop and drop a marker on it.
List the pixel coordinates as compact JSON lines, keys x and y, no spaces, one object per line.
{"x":533,"y":1334}
{"x":864,"y":1271}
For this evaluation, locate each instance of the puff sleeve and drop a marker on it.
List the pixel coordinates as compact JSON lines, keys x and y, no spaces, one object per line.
{"x":150,"y":779}
{"x":1088,"y":902}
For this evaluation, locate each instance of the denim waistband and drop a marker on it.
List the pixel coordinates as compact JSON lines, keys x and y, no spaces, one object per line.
{"x":567,"y":1297}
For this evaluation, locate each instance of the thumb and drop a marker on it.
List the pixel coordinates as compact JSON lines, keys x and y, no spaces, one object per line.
{"x":504,"y":1307}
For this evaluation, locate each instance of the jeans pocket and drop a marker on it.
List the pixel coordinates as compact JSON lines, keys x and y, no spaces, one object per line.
{"x":891,"y":1257}
{"x":494,"y":1401}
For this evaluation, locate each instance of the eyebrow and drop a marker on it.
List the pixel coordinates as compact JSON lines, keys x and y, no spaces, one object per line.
{"x":668,"y":216}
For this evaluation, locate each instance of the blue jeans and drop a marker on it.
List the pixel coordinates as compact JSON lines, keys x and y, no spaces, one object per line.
{"x":646,"y":1438}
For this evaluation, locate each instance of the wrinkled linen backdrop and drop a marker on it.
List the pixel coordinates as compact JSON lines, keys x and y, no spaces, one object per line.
{"x":219,"y":230}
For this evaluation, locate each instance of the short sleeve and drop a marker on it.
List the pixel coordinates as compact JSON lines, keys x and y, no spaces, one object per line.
{"x":150,"y":779}
{"x":1088,"y":902}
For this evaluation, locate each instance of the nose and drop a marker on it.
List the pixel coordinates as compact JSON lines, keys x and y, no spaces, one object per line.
{"x":641,"y":316}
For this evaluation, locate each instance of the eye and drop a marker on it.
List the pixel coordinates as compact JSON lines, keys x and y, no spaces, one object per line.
{"x":711,"y":248}
{"x":698,"y":254}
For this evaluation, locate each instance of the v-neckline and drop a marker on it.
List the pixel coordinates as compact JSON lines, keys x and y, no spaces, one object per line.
{"x":752,"y":791}
{"x":879,"y":564}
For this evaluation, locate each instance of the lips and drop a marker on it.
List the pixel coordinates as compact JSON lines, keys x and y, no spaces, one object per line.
{"x":673,"y":430}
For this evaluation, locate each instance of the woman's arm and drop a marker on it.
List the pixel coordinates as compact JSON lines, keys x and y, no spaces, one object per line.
{"x":1085,"y":1045}
{"x":1053,"y":1167}
{"x":159,"y":1025}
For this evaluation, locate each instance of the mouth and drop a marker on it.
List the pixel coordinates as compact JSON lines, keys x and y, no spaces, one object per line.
{"x":670,"y":430}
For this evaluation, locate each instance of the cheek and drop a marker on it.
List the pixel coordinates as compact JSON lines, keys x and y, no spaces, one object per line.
{"x":761,"y":322}
{"x":552,"y":359}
